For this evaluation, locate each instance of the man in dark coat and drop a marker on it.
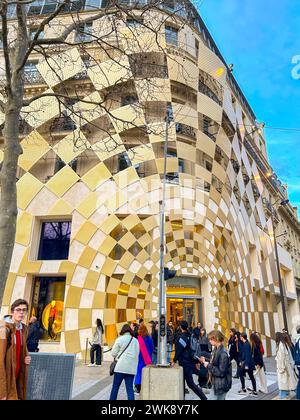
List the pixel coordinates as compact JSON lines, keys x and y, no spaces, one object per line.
{"x":184,"y":356}
{"x":34,"y":333}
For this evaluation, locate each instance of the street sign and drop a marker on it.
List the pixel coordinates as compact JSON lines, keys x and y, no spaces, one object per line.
{"x":50,"y":376}
{"x":162,"y":322}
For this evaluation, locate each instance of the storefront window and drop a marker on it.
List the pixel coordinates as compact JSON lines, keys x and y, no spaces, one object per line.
{"x":55,"y":241}
{"x":48,"y":306}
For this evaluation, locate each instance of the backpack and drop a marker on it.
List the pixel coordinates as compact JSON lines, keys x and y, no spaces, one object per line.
{"x":297,"y":353}
{"x":194,"y":344}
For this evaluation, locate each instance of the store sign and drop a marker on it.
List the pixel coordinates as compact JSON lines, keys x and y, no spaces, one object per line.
{"x":51,"y":376}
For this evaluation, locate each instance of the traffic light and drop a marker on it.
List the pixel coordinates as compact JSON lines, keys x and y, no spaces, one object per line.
{"x":169,"y":274}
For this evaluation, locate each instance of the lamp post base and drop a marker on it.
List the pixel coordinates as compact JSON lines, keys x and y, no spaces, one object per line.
{"x":162,"y":383}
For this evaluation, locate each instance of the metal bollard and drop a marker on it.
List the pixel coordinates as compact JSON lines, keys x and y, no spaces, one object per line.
{"x":86,"y":350}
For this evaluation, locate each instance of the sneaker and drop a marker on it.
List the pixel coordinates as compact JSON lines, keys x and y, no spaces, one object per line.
{"x":243,"y":392}
{"x":253,"y":394}
{"x":137,"y":393}
{"x":91,"y":365}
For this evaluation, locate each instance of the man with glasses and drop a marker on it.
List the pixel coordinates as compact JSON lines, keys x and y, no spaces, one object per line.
{"x":14,"y":358}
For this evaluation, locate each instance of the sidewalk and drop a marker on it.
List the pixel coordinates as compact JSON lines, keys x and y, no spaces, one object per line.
{"x":94,"y":383}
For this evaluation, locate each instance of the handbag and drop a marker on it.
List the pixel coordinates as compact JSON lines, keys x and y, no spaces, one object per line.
{"x":114,"y":363}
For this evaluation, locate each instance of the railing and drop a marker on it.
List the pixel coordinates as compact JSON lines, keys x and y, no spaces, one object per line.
{"x":62,"y":124}
{"x":148,"y":70}
{"x":185,"y":130}
{"x":276,"y":183}
{"x":33,"y":78}
{"x":208,"y":92}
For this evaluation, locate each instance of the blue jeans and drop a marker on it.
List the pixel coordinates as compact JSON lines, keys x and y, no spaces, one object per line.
{"x":169,"y":350}
{"x":118,"y":379}
{"x":154,"y":357}
{"x":283,"y":394}
{"x":214,"y":397}
{"x":298,"y":387}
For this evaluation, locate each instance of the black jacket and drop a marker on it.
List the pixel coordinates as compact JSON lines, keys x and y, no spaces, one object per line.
{"x":170,"y":335}
{"x":246,"y":360}
{"x":183,"y":352}
{"x":220,"y":371}
{"x":232,"y":347}
{"x":34,"y":333}
{"x":196,"y":332}
{"x":257,"y":356}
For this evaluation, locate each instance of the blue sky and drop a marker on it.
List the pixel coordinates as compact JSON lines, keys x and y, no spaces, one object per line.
{"x":261,"y":37}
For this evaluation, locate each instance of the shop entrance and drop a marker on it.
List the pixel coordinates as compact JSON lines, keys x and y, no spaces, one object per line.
{"x":184,"y":309}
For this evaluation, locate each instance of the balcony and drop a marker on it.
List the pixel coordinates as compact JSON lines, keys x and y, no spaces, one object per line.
{"x":255,"y":154}
{"x":208,"y":86}
{"x":186,"y":130}
{"x":150,"y":71}
{"x":33,"y":78}
{"x":62,"y":124}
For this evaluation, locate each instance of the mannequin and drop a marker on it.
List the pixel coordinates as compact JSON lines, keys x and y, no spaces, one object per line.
{"x":51,"y":321}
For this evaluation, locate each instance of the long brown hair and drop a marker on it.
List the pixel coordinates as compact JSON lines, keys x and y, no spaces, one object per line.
{"x":143,"y":331}
{"x":255,"y":341}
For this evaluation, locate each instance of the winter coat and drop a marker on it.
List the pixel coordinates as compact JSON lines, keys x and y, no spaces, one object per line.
{"x":257,"y":356}
{"x":232,"y":348}
{"x":97,"y":338}
{"x":196,"y":332}
{"x":170,"y":335}
{"x":246,"y":360}
{"x":128,"y":362}
{"x":183,"y":352}
{"x":287,"y":380}
{"x":220,"y":371}
{"x":10,"y":388}
{"x":204,"y":344}
{"x":34,"y":333}
{"x":149,"y":345}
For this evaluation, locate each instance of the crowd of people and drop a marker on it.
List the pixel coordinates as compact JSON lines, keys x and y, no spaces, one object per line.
{"x":202,"y":356}
{"x":205,"y":357}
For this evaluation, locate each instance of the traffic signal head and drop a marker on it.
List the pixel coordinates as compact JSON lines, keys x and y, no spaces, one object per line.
{"x":169,"y":274}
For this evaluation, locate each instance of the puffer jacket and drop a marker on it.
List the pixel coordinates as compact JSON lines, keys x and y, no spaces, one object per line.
{"x":220,"y":371}
{"x":129,"y":359}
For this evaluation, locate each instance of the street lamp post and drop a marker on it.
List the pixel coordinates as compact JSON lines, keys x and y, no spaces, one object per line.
{"x":162,"y":331}
{"x":281,"y":287}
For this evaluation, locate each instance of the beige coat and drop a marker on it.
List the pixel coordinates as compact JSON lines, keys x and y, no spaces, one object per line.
{"x":287,"y":380}
{"x":9,"y":387}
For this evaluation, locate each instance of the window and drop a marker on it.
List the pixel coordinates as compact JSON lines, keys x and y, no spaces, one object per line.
{"x":128,"y":100}
{"x":92,"y":4}
{"x":133,"y":23}
{"x":124,"y":162}
{"x":196,"y":48}
{"x":55,"y":241}
{"x":171,"y":35}
{"x":48,"y":305}
{"x":83,"y":33}
{"x":33,"y":32}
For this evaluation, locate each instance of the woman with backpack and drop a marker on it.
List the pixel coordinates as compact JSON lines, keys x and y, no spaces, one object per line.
{"x":256,"y":346}
{"x":145,"y":356}
{"x":220,"y":369}
{"x":287,"y":380}
{"x":126,"y":353}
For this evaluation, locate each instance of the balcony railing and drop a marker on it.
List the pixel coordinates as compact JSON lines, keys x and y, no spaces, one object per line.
{"x":62,"y":124}
{"x":185,"y":130}
{"x":33,"y":78}
{"x":276,"y":183}
{"x":148,"y":70}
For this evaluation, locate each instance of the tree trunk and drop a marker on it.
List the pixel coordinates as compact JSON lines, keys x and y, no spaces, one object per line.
{"x":8,"y":201}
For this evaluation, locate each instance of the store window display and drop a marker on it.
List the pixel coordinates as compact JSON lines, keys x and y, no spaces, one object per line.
{"x":48,"y":305}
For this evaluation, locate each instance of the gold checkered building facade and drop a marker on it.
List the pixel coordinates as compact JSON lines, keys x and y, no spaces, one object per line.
{"x":219,"y":186}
